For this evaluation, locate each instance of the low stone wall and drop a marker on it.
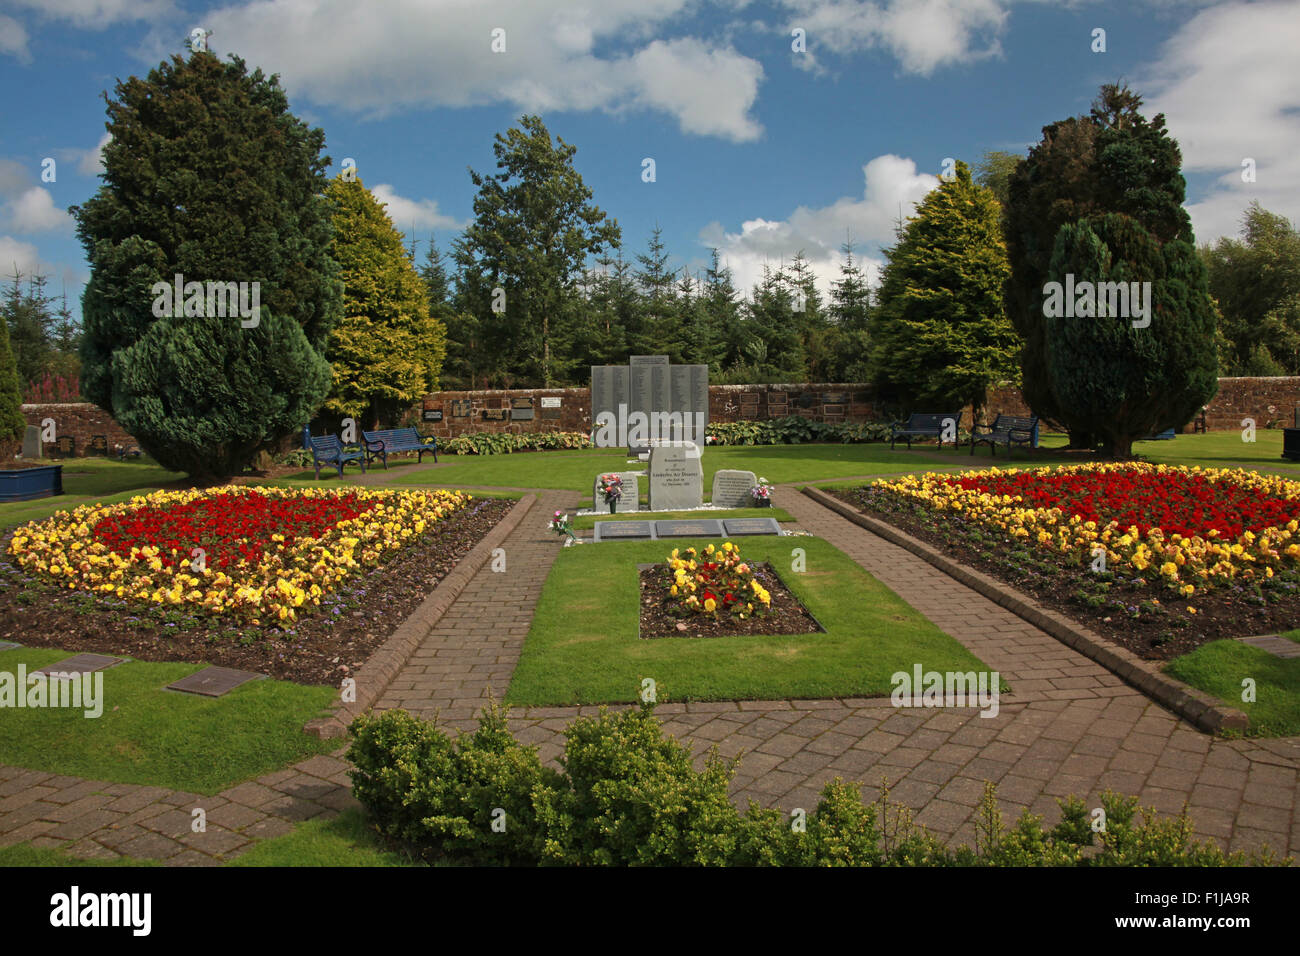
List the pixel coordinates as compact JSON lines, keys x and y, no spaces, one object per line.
{"x":81,"y":420}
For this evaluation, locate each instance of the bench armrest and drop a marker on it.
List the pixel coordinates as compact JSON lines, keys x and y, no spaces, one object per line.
{"x":977,"y":427}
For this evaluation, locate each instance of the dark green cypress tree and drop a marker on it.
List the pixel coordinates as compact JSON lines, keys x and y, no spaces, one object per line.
{"x":209,"y":176}
{"x":12,"y":423}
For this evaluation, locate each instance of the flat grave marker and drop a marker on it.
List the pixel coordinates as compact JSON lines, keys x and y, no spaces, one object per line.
{"x":747,"y":526}
{"x":694,"y":528}
{"x":624,"y":530}
{"x":214,"y":681}
{"x":80,"y":664}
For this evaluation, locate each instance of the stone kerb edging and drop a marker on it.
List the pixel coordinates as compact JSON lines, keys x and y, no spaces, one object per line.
{"x":379,"y":670}
{"x":1197,"y":707}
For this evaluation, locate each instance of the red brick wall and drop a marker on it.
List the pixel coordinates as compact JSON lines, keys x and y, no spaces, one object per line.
{"x":80,"y":420}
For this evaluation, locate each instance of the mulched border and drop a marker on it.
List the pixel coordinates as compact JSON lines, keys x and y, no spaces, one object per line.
{"x":1199,"y":708}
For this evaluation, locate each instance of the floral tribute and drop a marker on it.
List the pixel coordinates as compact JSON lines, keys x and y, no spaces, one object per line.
{"x":254,"y":553}
{"x":1193,"y":527}
{"x":716,"y":582}
{"x":761,"y":491}
{"x":611,"y":486}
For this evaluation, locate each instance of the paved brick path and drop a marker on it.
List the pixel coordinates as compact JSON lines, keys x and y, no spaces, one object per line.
{"x":1068,"y":726}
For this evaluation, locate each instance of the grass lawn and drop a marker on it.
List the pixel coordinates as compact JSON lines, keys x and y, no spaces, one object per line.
{"x":24,"y":854}
{"x":147,"y":735}
{"x":1219,"y":667}
{"x":583,"y":647}
{"x":587,"y":522}
{"x":87,"y":480}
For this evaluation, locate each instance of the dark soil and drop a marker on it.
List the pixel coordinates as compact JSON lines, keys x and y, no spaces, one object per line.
{"x":22,"y":464}
{"x":785,"y":615}
{"x":1135,"y":612}
{"x":320,"y":648}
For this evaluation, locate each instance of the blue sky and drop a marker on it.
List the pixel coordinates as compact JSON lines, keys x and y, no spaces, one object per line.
{"x":759,"y":150}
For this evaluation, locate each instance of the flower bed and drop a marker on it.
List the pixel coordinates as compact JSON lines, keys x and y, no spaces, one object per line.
{"x":1159,"y":558}
{"x":250,"y":553}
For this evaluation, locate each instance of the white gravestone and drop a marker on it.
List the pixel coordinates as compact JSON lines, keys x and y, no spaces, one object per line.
{"x":676,"y":477}
{"x":731,"y":488}
{"x":630,"y":501}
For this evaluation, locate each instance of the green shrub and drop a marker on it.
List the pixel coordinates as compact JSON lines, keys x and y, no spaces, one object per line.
{"x":794,"y":430}
{"x":502,"y":443}
{"x":631,"y":796}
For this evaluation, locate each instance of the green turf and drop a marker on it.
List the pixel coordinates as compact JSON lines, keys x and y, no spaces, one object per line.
{"x":345,"y":840}
{"x":1219,"y":668}
{"x":147,"y":735}
{"x":86,"y":480}
{"x":587,"y":522}
{"x":24,"y":854}
{"x":583,"y":647}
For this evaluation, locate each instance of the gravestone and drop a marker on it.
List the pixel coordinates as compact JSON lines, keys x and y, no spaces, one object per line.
{"x":676,"y":478}
{"x":731,"y":488}
{"x":214,"y":681}
{"x":32,"y":443}
{"x":743,"y":526}
{"x":631,"y":500}
{"x":702,"y":528}
{"x":80,"y":664}
{"x":623,"y":530}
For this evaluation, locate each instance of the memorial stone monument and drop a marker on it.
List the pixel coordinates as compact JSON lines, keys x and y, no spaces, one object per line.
{"x":731,"y":488}
{"x":676,"y":478}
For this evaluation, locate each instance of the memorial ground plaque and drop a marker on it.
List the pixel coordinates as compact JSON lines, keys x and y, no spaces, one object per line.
{"x":745,"y":526}
{"x":214,"y":681}
{"x":80,"y":664}
{"x":676,"y":479}
{"x":731,"y":488}
{"x":623,"y":530}
{"x":701,"y":528}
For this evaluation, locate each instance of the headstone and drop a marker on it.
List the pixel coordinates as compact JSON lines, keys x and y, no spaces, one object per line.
{"x":701,"y":528}
{"x":744,"y":526}
{"x":731,"y":488}
{"x":32,"y":443}
{"x":676,"y":478}
{"x":214,"y":681}
{"x":631,"y":500}
{"x":623,"y":530}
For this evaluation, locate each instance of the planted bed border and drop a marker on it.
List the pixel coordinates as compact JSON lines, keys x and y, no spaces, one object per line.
{"x":379,"y":670}
{"x":1200,"y":709}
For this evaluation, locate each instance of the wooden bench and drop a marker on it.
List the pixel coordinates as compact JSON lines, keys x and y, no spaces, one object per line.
{"x":1007,"y":429}
{"x":924,"y":425}
{"x":328,"y":450}
{"x":380,"y":444}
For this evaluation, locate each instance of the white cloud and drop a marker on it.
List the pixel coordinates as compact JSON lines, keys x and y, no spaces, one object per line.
{"x":13,"y":39}
{"x":923,"y":35}
{"x":91,"y":162}
{"x":97,"y":14}
{"x":1227,"y":84}
{"x":16,"y":256}
{"x":420,"y":215}
{"x":383,"y":58}
{"x":33,"y":210}
{"x":892,"y":187}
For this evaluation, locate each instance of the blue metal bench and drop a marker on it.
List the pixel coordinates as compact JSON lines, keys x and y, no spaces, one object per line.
{"x":328,"y":450}
{"x":390,"y":441}
{"x":1008,"y":430}
{"x":924,"y":425}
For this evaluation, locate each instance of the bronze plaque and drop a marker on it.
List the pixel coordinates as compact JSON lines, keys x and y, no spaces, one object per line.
{"x":496,"y":414}
{"x":461,"y":408}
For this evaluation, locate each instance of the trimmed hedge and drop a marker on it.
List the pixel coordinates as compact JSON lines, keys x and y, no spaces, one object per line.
{"x":794,"y":430}
{"x":629,"y":795}
{"x":504,"y":443}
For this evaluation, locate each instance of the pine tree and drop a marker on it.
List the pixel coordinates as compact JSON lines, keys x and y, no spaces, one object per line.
{"x":208,"y":176}
{"x":720,"y":317}
{"x":773,"y":346}
{"x":12,"y":423}
{"x":387,"y":350}
{"x":941,"y":336}
{"x":661,"y":333}
{"x":850,"y":314}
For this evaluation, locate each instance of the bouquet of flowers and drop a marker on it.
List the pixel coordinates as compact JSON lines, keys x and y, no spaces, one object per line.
{"x":560,"y":525}
{"x":611,"y":486}
{"x":762,"y":492}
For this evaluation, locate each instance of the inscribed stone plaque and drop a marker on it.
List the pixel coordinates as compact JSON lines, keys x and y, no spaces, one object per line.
{"x":550,"y":413}
{"x":80,"y":664}
{"x":835,"y":398}
{"x":461,"y":408}
{"x":731,"y":488}
{"x":521,"y":409}
{"x":680,"y":398}
{"x":749,"y":398}
{"x":623,"y":530}
{"x":621,"y":387}
{"x":743,"y":526}
{"x":832,"y":410}
{"x":661,"y":401}
{"x":702,"y":528}
{"x":603,"y":394}
{"x":648,"y":360}
{"x":433,"y":414}
{"x":748,"y":411}
{"x":676,"y":479}
{"x":214,"y":681}
{"x":699,"y":403}
{"x":640,"y":392}
{"x":550,"y":401}
{"x":496,"y":414}
{"x":32,"y":443}
{"x":631,"y":500}
{"x":777,"y":410}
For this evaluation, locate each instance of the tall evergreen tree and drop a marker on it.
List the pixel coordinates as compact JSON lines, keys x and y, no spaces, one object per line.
{"x":12,"y":423}
{"x":850,"y":315}
{"x":941,"y":336}
{"x":662,"y":332}
{"x":720,"y":317}
{"x":534,"y":229}
{"x":387,"y":350}
{"x":773,"y":347}
{"x":208,"y":176}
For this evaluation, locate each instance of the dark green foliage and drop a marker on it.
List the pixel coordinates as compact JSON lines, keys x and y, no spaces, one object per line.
{"x":631,"y":796}
{"x":795,"y":430}
{"x":210,"y":176}
{"x":12,"y":423}
{"x":44,"y":338}
{"x":504,"y":443}
{"x":940,"y":334}
{"x":1121,"y":382}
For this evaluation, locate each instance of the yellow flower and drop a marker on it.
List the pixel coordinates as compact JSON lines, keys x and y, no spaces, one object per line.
{"x":710,"y":605}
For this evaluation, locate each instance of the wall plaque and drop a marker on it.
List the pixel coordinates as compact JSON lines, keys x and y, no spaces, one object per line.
{"x":496,"y":414}
{"x":461,"y":408}
{"x":433,"y":414}
{"x":521,"y":409}
{"x":551,"y":401}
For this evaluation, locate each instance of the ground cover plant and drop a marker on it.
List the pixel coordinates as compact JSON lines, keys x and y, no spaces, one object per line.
{"x":627,"y":795}
{"x":298,"y":583}
{"x":582,"y":646}
{"x":1158,"y":558}
{"x":154,"y":737}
